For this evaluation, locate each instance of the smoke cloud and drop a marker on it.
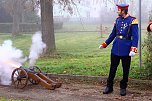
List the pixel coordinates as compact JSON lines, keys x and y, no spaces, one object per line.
{"x":10,"y":58}
{"x":36,"y":49}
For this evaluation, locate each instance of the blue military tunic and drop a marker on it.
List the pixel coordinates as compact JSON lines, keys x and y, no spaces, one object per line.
{"x":124,"y":34}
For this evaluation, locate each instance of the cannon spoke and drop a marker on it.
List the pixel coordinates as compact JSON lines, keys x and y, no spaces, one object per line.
{"x":16,"y":74}
{"x":18,"y":82}
{"x":15,"y":80}
{"x":20,"y":85}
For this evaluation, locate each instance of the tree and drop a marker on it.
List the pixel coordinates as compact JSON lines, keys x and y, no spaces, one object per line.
{"x":17,"y":8}
{"x":48,"y":36}
{"x":4,"y":16}
{"x":47,"y":22}
{"x":30,"y":11}
{"x":21,"y":11}
{"x":17,"y":11}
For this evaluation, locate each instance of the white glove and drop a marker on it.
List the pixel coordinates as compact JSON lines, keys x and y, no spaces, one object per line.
{"x":132,"y":54}
{"x":100,"y":47}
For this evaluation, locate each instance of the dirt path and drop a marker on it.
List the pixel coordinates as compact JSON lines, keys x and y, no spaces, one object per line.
{"x":74,"y":92}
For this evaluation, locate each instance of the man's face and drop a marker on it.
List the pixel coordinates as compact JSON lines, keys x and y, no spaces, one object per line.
{"x":120,"y":12}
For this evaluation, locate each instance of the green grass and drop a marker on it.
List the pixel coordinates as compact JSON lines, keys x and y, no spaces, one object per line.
{"x":77,"y":54}
{"x":10,"y":99}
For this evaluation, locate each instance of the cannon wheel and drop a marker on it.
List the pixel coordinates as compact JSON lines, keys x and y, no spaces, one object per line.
{"x":37,"y":70}
{"x":19,"y":78}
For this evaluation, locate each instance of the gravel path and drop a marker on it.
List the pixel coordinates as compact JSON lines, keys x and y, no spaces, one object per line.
{"x":75,"y":91}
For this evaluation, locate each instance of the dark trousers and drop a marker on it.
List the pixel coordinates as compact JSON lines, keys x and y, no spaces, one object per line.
{"x":115,"y":60}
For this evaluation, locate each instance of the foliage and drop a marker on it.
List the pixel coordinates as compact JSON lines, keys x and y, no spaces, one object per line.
{"x":28,"y":9}
{"x":148,"y":51}
{"x":67,"y":5}
{"x":31,"y":17}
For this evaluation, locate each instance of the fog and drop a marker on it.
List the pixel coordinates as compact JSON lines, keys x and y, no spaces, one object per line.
{"x":84,"y":12}
{"x":104,"y":11}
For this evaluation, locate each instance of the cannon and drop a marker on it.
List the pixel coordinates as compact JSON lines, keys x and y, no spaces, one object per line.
{"x":21,"y":76}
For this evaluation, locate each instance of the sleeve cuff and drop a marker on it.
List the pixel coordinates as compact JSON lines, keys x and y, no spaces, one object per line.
{"x":134,"y":49}
{"x":104,"y":45}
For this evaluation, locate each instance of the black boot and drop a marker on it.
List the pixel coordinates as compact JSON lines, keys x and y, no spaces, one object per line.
{"x":108,"y":90}
{"x":122,"y":92}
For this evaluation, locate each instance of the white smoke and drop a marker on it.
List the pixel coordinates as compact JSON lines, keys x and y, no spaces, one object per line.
{"x":10,"y":58}
{"x":36,"y":49}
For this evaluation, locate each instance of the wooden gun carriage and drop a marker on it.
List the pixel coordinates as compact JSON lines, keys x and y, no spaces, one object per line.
{"x":21,"y":76}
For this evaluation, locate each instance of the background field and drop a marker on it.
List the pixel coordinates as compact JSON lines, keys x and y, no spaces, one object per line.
{"x":77,"y":52}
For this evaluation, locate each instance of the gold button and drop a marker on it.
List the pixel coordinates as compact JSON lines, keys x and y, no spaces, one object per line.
{"x":120,"y":37}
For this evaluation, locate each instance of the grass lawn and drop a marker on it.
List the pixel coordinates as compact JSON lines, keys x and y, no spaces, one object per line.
{"x":77,"y":54}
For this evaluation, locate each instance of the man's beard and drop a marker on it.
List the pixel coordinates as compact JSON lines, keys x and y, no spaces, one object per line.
{"x":120,"y":15}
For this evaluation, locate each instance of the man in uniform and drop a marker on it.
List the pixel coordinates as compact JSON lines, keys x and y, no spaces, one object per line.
{"x":125,"y":36}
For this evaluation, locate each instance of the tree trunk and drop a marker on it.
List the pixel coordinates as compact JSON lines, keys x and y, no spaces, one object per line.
{"x":47,"y":25}
{"x":16,"y":17}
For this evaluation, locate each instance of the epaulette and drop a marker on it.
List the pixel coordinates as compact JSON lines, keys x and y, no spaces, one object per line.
{"x":135,"y":20}
{"x":133,"y":17}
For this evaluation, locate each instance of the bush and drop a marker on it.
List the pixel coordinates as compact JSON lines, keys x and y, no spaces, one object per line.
{"x":148,"y":54}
